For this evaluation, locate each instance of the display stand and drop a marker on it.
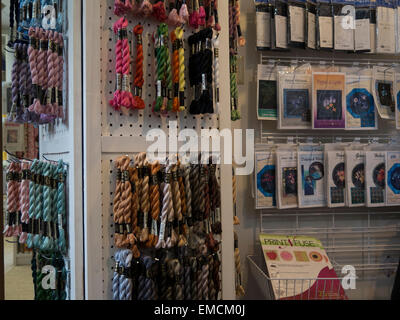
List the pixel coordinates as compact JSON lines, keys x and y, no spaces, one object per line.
{"x":109,"y":134}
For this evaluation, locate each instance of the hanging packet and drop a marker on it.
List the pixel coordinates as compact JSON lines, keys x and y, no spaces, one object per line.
{"x":362,"y":37}
{"x":335,"y":175}
{"x":286,"y":177}
{"x":393,"y":178}
{"x":294,"y":100}
{"x":263,"y":24}
{"x":265,"y":180}
{"x":355,"y":177}
{"x":311,"y":34}
{"x":385,"y":27}
{"x":328,"y":100}
{"x":360,"y":103}
{"x":297,"y":23}
{"x":375,"y":173}
{"x":344,"y":25}
{"x":324,"y":25}
{"x":311,"y":179}
{"x":267,"y":89}
{"x":279,"y":34}
{"x":372,"y":25}
{"x":384,"y":79}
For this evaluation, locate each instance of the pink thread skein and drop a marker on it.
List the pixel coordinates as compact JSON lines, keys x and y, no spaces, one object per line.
{"x":116,"y":102}
{"x":60,"y":80}
{"x":41,"y":63}
{"x":126,"y":95}
{"x":173,"y":18}
{"x":8,"y":231}
{"x":24,"y":200}
{"x":146,"y":9}
{"x":202,"y":16}
{"x":33,"y":53}
{"x":17,"y":228}
{"x":122,"y":7}
{"x":184,"y":13}
{"x":51,"y":66}
{"x":54,"y":78}
{"x":159,"y":11}
{"x":194,"y":16}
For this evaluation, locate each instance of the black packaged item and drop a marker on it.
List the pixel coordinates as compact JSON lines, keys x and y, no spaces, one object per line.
{"x":297,"y":23}
{"x":279,"y":20}
{"x":344,"y":25}
{"x":263,"y":24}
{"x":362,"y":35}
{"x":324,"y":25}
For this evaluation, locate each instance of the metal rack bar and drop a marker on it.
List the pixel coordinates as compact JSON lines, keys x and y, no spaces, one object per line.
{"x":328,"y":212}
{"x":325,"y":60}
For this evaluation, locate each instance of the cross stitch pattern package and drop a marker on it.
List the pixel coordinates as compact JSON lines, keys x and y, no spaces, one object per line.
{"x":375,"y":164}
{"x":286,"y":179}
{"x":311,"y":179}
{"x":384,"y":79}
{"x":294,"y":101}
{"x":265,"y":180}
{"x":267,"y":88}
{"x":393,"y":178}
{"x":355,"y":177}
{"x":336,"y":178}
{"x":360,"y":103}
{"x":328,"y":100}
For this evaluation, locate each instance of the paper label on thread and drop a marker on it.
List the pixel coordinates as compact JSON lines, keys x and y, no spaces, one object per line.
{"x":162,"y":230}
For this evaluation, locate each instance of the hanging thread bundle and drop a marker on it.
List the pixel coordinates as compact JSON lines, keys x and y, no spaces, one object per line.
{"x":163,"y":193}
{"x":36,"y":215}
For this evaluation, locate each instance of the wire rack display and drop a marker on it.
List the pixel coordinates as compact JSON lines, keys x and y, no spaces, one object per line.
{"x":368,"y":240}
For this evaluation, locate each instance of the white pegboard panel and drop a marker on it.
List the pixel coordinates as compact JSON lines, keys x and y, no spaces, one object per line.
{"x":138,"y":123}
{"x":107,"y":135}
{"x":108,"y":172}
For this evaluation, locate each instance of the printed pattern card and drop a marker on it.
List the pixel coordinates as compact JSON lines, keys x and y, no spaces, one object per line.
{"x":384,"y":79}
{"x":336,"y":179}
{"x":328,"y":100}
{"x":360,"y":104}
{"x":286,"y":163}
{"x":393,"y":179}
{"x":294,"y":101}
{"x":355,"y":178}
{"x":311,"y":179}
{"x":265,"y":180}
{"x":375,"y":178}
{"x":267,"y":101}
{"x":298,"y":258}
